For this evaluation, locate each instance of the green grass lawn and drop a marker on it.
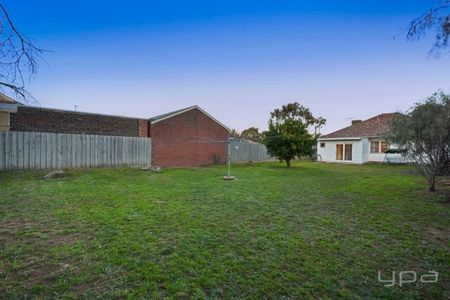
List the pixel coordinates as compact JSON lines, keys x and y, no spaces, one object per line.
{"x":315,"y":231}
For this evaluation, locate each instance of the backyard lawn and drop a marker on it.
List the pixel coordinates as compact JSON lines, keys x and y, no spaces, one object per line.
{"x":315,"y":231}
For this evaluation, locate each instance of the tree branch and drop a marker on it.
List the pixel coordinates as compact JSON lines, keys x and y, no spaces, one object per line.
{"x":19,"y":58}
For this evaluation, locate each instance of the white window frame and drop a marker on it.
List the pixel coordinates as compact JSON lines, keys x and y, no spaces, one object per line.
{"x":378,"y":147}
{"x":344,"y":146}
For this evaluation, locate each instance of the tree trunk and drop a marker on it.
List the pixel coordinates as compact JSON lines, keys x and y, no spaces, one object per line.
{"x":288,"y":163}
{"x":432,"y":189}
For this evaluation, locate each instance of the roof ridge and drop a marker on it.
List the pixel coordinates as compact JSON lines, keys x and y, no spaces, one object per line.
{"x":168,"y":115}
{"x":382,"y":114}
{"x":154,"y":118}
{"x":373,"y":126}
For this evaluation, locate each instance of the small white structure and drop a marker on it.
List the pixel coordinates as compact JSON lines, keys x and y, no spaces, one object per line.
{"x":359,"y":143}
{"x":7,"y":106}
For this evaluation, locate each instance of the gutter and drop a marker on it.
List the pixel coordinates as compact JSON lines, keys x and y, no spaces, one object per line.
{"x":7,"y":107}
{"x":340,"y":139}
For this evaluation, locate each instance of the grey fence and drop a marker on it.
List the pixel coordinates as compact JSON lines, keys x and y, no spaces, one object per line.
{"x":35,"y":150}
{"x":244,"y":151}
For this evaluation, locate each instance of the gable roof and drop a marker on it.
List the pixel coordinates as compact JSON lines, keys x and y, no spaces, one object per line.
{"x":171,"y":114}
{"x":375,"y":126}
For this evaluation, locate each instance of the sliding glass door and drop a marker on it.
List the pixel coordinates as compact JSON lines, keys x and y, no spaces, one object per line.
{"x":339,"y":151}
{"x":344,"y":152}
{"x":348,"y":152}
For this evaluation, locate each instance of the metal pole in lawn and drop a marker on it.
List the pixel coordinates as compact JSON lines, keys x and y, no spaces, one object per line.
{"x":228,"y":176}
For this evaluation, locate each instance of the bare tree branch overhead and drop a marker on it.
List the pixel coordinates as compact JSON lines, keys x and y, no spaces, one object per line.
{"x":19,"y":59}
{"x":435,"y":19}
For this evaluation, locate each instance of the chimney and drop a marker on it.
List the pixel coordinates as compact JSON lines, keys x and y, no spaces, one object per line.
{"x":354,"y":122}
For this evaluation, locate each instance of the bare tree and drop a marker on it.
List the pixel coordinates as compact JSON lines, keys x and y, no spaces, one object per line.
{"x":424,"y":135}
{"x":19,"y":58}
{"x":435,"y":19}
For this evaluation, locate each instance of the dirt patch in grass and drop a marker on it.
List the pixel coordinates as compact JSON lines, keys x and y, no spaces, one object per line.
{"x":50,"y":234}
{"x":41,"y":274}
{"x":36,"y":254}
{"x":84,"y":288}
{"x":15,"y":224}
{"x":437,"y":235}
{"x":410,"y":172}
{"x":9,"y":230}
{"x":443,"y":192}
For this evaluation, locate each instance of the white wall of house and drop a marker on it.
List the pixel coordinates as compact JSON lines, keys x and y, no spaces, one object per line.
{"x":5,"y":110}
{"x":328,"y":153}
{"x":376,"y":157}
{"x":390,"y":157}
{"x":361,"y":151}
{"x":365,"y":149}
{"x":4,"y":120}
{"x":381,"y":156}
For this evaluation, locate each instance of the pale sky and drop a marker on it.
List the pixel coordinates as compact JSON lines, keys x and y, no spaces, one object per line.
{"x":238,"y":60}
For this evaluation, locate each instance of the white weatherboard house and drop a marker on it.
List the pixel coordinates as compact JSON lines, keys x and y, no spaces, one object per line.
{"x":359,"y":143}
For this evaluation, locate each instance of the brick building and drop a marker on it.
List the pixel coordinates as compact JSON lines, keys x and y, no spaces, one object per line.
{"x":174,"y":135}
{"x":186,"y":138}
{"x":37,"y":119}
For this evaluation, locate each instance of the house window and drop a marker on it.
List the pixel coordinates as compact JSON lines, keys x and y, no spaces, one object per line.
{"x":384,"y":146}
{"x":322,"y":145}
{"x":378,"y":146}
{"x":339,"y":151}
{"x":375,"y":147}
{"x":348,"y":151}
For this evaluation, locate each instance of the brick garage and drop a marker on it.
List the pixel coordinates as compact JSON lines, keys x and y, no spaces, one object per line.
{"x":36,"y":119}
{"x":174,"y":134}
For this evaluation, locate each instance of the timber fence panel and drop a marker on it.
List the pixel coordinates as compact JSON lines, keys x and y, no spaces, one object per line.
{"x":35,"y":150}
{"x":245,"y":151}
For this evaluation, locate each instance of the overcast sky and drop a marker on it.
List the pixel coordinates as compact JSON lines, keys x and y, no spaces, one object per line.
{"x":236,"y":59}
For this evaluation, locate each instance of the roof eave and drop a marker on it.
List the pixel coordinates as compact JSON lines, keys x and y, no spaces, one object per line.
{"x":339,"y":138}
{"x":8,"y":107}
{"x":186,"y":110}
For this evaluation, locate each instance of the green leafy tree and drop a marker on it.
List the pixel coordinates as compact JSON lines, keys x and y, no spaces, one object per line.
{"x":424,"y":135}
{"x":289,"y":135}
{"x":234,"y":134}
{"x":252,"y":134}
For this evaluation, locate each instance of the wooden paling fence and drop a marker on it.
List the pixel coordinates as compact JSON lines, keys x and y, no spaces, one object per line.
{"x":35,"y":150}
{"x":245,"y":151}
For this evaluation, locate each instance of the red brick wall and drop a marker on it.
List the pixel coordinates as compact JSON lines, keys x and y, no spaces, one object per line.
{"x":172,"y":140}
{"x":143,"y":128}
{"x":37,"y":119}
